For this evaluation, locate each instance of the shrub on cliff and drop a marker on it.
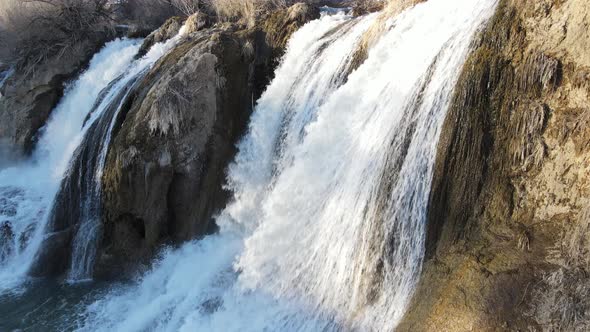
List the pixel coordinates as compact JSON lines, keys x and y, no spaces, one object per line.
{"x":147,"y":14}
{"x":35,"y":30}
{"x":247,"y":10}
{"x":155,"y":12}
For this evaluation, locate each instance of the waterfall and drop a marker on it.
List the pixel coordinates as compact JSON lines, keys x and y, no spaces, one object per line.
{"x":64,"y":171}
{"x":28,"y":188}
{"x":331,"y":182}
{"x":78,"y":203}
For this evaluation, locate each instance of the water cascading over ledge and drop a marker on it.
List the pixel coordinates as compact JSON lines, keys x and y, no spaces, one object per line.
{"x":69,"y":242}
{"x":74,"y":227}
{"x":27,"y":189}
{"x":326,"y":230}
{"x":508,"y":216}
{"x":76,"y":213}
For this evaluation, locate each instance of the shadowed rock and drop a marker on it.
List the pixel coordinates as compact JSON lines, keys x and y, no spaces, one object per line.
{"x":28,"y":97}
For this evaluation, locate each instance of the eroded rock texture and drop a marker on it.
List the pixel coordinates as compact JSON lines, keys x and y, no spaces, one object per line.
{"x":507,"y":242}
{"x":164,"y":176}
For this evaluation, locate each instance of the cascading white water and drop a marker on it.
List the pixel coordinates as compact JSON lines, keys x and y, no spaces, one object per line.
{"x":27,"y":189}
{"x":326,"y":230}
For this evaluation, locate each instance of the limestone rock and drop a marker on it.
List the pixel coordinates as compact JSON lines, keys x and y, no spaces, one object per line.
{"x":507,"y":216}
{"x":168,"y":30}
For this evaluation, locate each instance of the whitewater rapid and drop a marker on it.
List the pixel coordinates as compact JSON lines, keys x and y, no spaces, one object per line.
{"x":331,"y":184}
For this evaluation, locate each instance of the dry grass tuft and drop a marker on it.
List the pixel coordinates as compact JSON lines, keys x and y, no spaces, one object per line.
{"x":562,"y":300}
{"x":246,"y":10}
{"x":35,"y":30}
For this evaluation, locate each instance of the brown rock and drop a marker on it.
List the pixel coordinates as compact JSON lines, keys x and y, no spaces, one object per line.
{"x":510,"y":187}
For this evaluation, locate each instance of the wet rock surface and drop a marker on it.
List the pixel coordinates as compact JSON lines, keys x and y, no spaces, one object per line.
{"x":50,"y":261}
{"x":6,"y":240}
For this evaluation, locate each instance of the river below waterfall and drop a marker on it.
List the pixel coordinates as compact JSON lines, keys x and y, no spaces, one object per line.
{"x":49,"y":305}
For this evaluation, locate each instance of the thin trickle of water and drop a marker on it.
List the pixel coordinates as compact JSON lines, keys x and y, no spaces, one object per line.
{"x":79,"y":200}
{"x":326,"y":230}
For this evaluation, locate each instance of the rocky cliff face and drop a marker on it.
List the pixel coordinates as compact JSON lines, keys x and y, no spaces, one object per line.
{"x":508,"y":235}
{"x":164,"y":176}
{"x":30,"y":94}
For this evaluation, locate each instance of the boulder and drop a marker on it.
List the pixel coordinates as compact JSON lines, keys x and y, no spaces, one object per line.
{"x":165,"y":171}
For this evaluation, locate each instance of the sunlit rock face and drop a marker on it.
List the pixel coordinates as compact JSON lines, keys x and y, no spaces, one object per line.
{"x":508,"y":218}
